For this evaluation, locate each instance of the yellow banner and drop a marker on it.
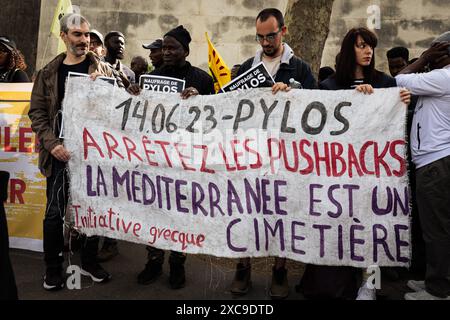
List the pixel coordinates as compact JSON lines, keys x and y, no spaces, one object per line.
{"x":217,"y":66}
{"x":64,"y":7}
{"x":25,"y":207}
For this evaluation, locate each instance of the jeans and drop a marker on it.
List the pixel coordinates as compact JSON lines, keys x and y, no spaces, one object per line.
{"x":57,"y":201}
{"x":8,"y":289}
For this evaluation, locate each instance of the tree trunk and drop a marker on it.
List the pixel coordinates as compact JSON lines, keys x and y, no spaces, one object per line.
{"x":308,"y":23}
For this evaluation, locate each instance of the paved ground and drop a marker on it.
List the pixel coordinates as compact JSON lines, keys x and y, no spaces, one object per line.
{"x":208,"y":279}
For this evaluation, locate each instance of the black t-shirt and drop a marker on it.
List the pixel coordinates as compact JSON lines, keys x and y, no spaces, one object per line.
{"x":63,"y":73}
{"x":357,"y":82}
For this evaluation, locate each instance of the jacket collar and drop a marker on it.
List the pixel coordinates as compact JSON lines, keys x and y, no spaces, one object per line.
{"x":288,"y":53}
{"x":54,"y":65}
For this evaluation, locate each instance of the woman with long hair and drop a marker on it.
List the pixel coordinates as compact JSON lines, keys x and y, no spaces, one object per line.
{"x":12,"y":62}
{"x":355,"y":69}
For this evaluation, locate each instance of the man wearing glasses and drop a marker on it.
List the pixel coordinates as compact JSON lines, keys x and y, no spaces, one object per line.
{"x":285,"y":68}
{"x":277,"y":56}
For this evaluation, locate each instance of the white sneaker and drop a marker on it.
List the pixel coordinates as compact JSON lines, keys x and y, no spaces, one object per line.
{"x":422,"y":295}
{"x":417,"y":286}
{"x":366,"y":294}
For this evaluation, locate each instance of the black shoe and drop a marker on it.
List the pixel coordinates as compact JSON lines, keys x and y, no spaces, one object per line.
{"x":242,"y":280}
{"x":152,"y":271}
{"x":54,"y":279}
{"x":96,"y":273}
{"x":280,"y":287}
{"x":390,"y":273}
{"x":177,"y":276}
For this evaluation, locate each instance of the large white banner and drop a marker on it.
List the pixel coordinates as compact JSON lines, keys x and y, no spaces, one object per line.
{"x":314,"y":176}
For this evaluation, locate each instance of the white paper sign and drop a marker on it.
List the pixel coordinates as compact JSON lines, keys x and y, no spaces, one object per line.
{"x":256,"y":77}
{"x":162,"y":84}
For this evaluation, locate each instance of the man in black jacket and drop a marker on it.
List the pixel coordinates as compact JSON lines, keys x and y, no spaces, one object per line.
{"x":288,"y":71}
{"x":8,"y":289}
{"x":175,"y":51}
{"x":277,"y":56}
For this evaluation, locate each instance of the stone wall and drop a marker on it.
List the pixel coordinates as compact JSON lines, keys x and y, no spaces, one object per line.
{"x":410,"y":23}
{"x":230,"y":24}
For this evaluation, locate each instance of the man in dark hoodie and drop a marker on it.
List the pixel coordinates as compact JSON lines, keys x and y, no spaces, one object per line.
{"x":287,"y":70}
{"x":8,"y":289}
{"x":175,"y":51}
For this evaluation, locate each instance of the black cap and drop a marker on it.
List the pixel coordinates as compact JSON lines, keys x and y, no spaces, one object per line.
{"x":154,"y":45}
{"x":113,"y":34}
{"x":8,"y":43}
{"x":181,"y":35}
{"x":445,"y":37}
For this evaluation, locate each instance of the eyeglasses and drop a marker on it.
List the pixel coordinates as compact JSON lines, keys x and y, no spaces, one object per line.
{"x":96,"y":43}
{"x":269,"y":37}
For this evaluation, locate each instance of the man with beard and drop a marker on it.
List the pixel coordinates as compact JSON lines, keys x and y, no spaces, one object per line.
{"x":156,"y":55}
{"x":175,"y":51}
{"x":277,"y":56}
{"x":115,"y":51}
{"x":285,"y":67}
{"x":45,"y":114}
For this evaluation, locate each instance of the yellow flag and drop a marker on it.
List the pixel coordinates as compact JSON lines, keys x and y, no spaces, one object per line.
{"x":217,"y":67}
{"x":64,"y":7}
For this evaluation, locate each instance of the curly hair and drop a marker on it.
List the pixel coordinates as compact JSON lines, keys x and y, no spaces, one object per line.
{"x":16,"y":60}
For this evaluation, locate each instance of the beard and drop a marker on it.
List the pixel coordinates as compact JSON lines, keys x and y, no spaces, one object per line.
{"x":270,"y":51}
{"x":78,"y":50}
{"x":119,"y":56}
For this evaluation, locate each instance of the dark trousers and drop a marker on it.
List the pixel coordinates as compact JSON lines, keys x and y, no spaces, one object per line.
{"x":8,"y":289}
{"x":57,"y":200}
{"x":109,"y":242}
{"x":433,"y":200}
{"x":418,"y":262}
{"x":157,"y":255}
